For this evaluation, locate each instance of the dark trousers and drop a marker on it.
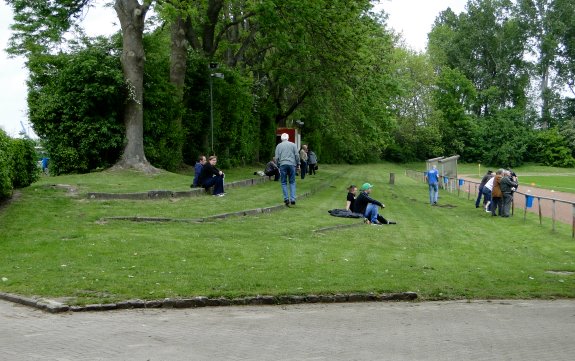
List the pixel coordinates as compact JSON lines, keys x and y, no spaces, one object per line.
{"x":311,"y":169}
{"x":275,"y":173}
{"x":496,"y":203}
{"x":479,"y":194}
{"x":217,"y":182}
{"x":303,"y":168}
{"x":507,"y":200}
{"x":487,"y":196}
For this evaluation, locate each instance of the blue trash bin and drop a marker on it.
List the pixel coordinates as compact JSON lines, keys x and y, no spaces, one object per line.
{"x":528,"y":201}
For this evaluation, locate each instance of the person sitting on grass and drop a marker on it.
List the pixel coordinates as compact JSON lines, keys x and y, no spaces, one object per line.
{"x":212,"y":176}
{"x":350,"y":202}
{"x":367,"y":206}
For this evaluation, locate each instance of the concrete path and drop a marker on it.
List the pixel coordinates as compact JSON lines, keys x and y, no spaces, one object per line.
{"x":479,"y":330}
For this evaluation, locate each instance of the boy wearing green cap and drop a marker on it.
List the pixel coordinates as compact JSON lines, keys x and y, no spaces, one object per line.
{"x":366,"y":205}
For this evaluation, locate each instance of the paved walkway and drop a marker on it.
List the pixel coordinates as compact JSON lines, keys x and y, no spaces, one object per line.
{"x":458,"y":330}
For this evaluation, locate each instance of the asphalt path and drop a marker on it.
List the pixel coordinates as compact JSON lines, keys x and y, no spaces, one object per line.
{"x":455,"y":330}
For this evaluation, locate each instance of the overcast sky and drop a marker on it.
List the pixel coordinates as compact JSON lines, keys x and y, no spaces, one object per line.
{"x":412,"y":18}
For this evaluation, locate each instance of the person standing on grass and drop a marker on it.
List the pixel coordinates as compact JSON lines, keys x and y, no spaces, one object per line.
{"x":484,"y":180}
{"x":432,"y":178}
{"x":312,"y":162}
{"x":508,"y":186}
{"x":287,"y":158}
{"x":212,"y":176}
{"x":367,"y":206}
{"x":197,"y":170}
{"x":303,"y":160}
{"x":487,"y":188}
{"x":496,"y":195}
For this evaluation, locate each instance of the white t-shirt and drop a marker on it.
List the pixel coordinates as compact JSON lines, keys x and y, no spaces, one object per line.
{"x":489,"y":184}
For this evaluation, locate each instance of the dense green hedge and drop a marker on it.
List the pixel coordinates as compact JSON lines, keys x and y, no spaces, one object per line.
{"x":18,"y":164}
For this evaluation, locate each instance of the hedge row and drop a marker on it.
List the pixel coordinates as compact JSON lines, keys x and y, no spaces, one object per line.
{"x":18,"y":164}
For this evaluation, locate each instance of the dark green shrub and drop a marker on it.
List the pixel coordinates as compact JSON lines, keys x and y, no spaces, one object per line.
{"x":5,"y":166}
{"x":551,"y":148}
{"x":25,"y":169}
{"x":75,"y":102}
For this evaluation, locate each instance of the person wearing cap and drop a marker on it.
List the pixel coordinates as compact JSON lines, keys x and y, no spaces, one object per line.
{"x":432,"y":177}
{"x":287,"y":158}
{"x":366,"y":205}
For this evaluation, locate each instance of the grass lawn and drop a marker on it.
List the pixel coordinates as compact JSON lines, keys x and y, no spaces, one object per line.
{"x":55,"y":243}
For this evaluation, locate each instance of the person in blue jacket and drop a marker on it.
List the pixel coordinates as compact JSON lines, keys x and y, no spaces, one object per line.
{"x":198,"y":170}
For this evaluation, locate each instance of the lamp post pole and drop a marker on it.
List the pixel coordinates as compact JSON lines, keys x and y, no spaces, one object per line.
{"x":212,"y":75}
{"x":212,"y":114}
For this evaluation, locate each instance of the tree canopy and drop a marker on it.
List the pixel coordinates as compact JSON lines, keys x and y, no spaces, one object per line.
{"x":495,"y":80}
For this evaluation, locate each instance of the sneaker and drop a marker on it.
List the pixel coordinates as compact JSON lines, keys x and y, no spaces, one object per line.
{"x":219,"y":195}
{"x":286,"y":202}
{"x":366,"y":221}
{"x":391,"y":222}
{"x":292,"y":203}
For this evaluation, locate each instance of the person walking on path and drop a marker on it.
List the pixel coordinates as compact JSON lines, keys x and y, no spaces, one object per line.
{"x":303,"y":160}
{"x":484,"y":180}
{"x":432,"y":178}
{"x":287,"y":158}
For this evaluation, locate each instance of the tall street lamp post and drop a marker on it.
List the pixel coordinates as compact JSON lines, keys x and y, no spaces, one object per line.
{"x":213,"y":75}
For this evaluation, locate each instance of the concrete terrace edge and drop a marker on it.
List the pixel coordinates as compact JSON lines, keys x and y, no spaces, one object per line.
{"x":163,"y":194}
{"x":52,"y":306}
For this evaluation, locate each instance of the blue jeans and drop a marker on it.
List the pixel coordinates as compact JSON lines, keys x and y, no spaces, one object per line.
{"x":286,"y":171}
{"x":487,"y":195}
{"x":371,"y":213}
{"x":479,"y":194}
{"x":217,"y":182}
{"x":433,"y":193}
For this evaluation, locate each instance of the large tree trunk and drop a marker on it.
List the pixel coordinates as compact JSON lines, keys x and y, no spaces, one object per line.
{"x":132,"y":15}
{"x":178,"y":64}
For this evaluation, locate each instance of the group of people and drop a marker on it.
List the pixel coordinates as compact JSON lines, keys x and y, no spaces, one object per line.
{"x":497,"y":192}
{"x":308,"y":161}
{"x":206,"y":175}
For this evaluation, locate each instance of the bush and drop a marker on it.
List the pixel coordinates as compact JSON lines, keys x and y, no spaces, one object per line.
{"x":5,"y":166}
{"x":25,"y":169}
{"x":551,"y":148}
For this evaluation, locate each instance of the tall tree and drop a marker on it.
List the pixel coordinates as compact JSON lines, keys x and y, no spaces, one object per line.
{"x":487,"y":45}
{"x":39,"y":27}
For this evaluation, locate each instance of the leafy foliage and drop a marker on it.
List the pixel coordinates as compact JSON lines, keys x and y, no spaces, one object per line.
{"x":75,"y":103}
{"x":552,"y":149}
{"x":18,"y":166}
{"x":25,"y":168}
{"x":5,"y":166}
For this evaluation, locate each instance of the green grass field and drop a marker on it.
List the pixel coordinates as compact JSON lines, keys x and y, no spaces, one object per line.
{"x":56,"y":243}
